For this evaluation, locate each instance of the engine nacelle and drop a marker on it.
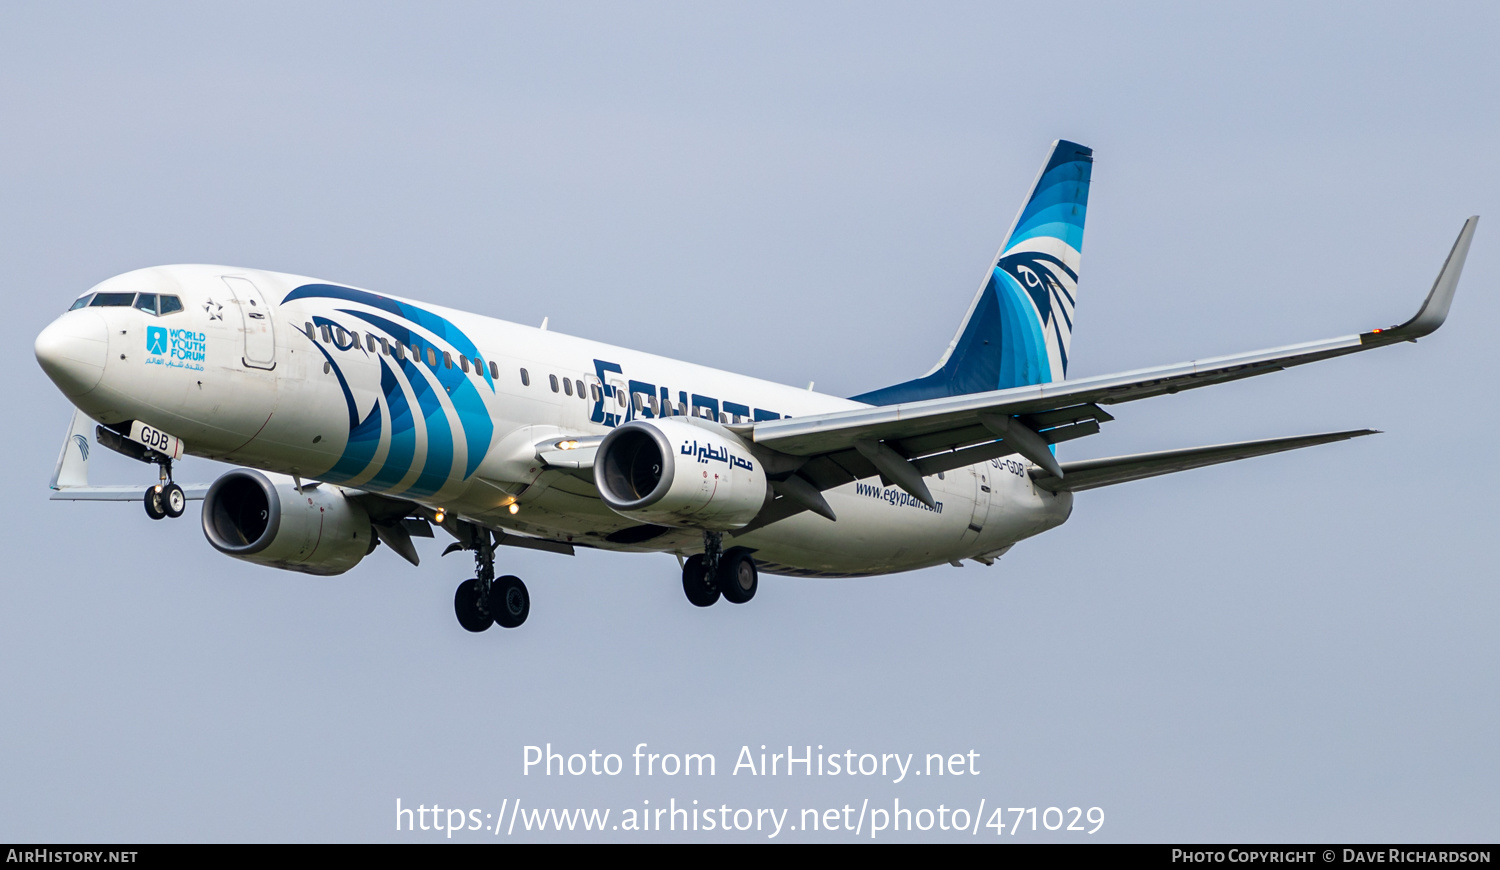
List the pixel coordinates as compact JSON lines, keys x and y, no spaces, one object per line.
{"x":315,"y":531}
{"x":674,"y":473}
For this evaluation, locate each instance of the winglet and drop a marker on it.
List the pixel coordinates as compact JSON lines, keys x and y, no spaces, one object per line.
{"x":1435,"y":308}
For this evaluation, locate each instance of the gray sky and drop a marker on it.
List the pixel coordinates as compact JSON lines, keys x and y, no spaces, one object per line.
{"x":1300,"y":647}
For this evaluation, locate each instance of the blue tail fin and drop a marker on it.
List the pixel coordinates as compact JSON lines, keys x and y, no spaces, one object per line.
{"x":1020,"y":324}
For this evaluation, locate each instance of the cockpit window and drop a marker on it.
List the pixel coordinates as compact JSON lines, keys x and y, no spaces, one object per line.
{"x":151,"y":303}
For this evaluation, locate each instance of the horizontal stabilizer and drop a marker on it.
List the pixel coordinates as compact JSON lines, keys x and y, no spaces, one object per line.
{"x":1094,"y":473}
{"x":193,"y":491}
{"x":70,"y":480}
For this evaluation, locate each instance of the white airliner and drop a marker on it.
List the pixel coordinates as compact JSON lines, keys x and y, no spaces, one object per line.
{"x":359,"y":419}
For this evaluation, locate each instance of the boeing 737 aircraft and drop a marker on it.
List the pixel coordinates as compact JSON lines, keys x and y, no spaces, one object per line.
{"x":358,"y":419}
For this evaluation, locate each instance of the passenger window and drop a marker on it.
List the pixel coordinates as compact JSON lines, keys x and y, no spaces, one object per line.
{"x":146,"y":302}
{"x":81,"y":302}
{"x":112,"y":300}
{"x":594,"y":392}
{"x":553,"y":378}
{"x":494,"y":370}
{"x":312,"y":334}
{"x":525,"y":378}
{"x":400,"y":352}
{"x":568,"y":386}
{"x":432,"y":357}
{"x":447,"y":360}
{"x":370,"y":342}
{"x":385,"y":346}
{"x":169,"y":305}
{"x":327,"y":334}
{"x":463,"y":363}
{"x":581,"y":394}
{"x":635,"y":399}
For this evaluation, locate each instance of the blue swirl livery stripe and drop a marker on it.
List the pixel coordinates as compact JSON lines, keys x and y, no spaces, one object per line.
{"x":364,"y":435}
{"x":439,"y":435}
{"x":403,"y":447}
{"x":1059,"y":202}
{"x":424,"y":401}
{"x":1023,"y":349}
{"x":473,"y":416}
{"x":1019,"y":328}
{"x":439,"y":326}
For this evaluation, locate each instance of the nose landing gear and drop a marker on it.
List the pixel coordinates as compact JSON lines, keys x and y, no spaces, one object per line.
{"x":166,"y":499}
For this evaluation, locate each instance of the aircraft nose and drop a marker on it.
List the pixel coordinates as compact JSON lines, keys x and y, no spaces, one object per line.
{"x":72,"y":351}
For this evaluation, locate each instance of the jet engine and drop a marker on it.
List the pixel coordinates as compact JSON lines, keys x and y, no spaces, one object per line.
{"x":316,"y":531}
{"x":674,"y":473}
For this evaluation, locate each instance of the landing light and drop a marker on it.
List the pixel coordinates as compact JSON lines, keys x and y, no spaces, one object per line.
{"x":565,"y":445}
{"x":514,"y":508}
{"x":440,"y":515}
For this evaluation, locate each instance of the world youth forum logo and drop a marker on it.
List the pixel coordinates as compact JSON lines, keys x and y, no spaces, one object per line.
{"x":175,"y":348}
{"x":156,"y":340}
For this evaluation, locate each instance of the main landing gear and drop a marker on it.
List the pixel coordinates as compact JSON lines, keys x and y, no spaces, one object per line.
{"x":486,"y":600}
{"x":718,"y":572}
{"x":166,"y":499}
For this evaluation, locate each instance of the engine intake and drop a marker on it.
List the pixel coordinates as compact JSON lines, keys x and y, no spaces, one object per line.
{"x":315,"y":531}
{"x":674,"y":473}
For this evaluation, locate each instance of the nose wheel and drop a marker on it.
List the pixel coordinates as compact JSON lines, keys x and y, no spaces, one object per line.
{"x":166,"y":499}
{"x":155,"y":509}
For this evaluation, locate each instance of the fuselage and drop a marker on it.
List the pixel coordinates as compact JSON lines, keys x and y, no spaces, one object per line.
{"x":446,"y":408}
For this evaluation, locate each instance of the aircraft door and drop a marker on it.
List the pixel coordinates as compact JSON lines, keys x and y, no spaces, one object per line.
{"x":981,"y":480}
{"x":260,"y":326}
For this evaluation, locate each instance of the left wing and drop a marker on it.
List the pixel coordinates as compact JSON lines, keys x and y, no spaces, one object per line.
{"x":904,"y":442}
